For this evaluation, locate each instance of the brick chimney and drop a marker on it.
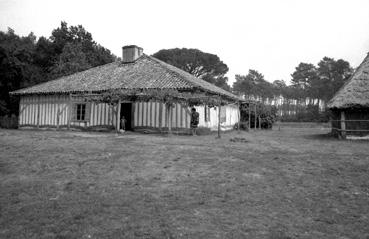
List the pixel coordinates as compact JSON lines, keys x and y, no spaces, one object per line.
{"x":131,"y":53}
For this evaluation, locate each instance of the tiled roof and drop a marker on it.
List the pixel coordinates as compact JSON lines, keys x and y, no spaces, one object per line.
{"x":145,"y":73}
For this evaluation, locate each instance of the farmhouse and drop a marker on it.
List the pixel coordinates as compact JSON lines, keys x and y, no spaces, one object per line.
{"x":64,"y":102}
{"x":350,"y":105}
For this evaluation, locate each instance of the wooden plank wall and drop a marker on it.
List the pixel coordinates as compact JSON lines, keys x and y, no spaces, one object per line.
{"x":153,"y":114}
{"x":46,"y":108}
{"x":43,"y":111}
{"x":102,"y":114}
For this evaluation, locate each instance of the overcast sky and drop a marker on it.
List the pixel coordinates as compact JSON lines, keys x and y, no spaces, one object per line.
{"x":272,"y":37}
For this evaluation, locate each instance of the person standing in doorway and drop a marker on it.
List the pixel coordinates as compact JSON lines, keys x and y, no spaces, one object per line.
{"x":194,"y":121}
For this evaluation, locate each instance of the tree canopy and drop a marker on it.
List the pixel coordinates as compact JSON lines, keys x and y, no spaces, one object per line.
{"x":253,"y":85}
{"x":26,"y":60}
{"x":200,"y":64}
{"x":309,"y":83}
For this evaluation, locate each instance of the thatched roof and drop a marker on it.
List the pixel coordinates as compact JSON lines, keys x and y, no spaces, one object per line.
{"x":145,"y":73}
{"x":355,"y":93}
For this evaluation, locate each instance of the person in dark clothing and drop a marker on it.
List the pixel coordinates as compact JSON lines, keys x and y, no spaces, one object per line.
{"x":194,"y":120}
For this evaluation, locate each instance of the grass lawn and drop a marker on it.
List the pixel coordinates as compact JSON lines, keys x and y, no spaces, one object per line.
{"x":292,"y":183}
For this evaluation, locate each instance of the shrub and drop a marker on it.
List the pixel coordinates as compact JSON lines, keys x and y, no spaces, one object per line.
{"x":267,"y":114}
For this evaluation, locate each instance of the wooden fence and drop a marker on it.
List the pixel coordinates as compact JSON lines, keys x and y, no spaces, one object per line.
{"x":9,"y":122}
{"x":360,"y":127}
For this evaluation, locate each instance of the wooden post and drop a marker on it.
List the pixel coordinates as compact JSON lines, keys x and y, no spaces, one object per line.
{"x":70,"y":110}
{"x":166,"y":125}
{"x":133,"y":116}
{"x":255,"y":118}
{"x":118,"y":116}
{"x":249,"y":115}
{"x":343,"y":125}
{"x":170,"y":119}
{"x":38,"y":111}
{"x":109,"y":108}
{"x":331,"y":123}
{"x":57,"y":117}
{"x":239,"y":117}
{"x":160,"y":115}
{"x":219,"y":120}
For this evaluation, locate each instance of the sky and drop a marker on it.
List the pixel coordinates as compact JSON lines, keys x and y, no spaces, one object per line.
{"x":269,"y":36}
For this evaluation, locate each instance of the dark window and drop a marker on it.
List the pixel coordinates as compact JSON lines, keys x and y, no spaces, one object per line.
{"x":81,"y":112}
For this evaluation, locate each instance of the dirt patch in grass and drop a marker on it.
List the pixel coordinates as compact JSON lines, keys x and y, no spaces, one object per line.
{"x":280,"y":184}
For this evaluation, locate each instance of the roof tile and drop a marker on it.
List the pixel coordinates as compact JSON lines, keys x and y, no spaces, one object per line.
{"x":145,"y":73}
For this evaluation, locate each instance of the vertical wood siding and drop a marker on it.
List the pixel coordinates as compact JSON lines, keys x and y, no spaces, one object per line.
{"x":145,"y":114}
{"x":153,"y":114}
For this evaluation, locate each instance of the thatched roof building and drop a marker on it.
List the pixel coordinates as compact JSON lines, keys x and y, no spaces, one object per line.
{"x":350,"y":105}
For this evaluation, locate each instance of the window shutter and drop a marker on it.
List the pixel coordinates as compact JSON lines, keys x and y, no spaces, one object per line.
{"x":87,"y":112}
{"x":74,"y":112}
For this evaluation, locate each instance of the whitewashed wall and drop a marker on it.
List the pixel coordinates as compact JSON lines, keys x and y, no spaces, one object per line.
{"x":231,"y":117}
{"x":43,"y":111}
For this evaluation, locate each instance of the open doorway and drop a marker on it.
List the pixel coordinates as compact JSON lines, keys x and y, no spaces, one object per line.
{"x":126,"y":111}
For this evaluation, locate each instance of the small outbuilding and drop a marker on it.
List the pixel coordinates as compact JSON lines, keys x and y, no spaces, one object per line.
{"x":70,"y":101}
{"x":350,"y":105}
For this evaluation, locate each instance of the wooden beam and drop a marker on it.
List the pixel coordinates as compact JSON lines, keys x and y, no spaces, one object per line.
{"x":58,"y":117}
{"x":255,"y":118}
{"x":70,"y":110}
{"x":118,"y":116}
{"x":109,"y":115}
{"x":38,"y":111}
{"x":170,"y":119}
{"x":133,"y":115}
{"x":343,"y":125}
{"x":147,"y":113}
{"x":239,"y":117}
{"x":155,"y":114}
{"x":219,"y":120}
{"x":249,"y":115}
{"x":160,"y":115}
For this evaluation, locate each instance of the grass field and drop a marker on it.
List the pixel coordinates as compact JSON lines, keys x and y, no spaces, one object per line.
{"x":292,"y":183}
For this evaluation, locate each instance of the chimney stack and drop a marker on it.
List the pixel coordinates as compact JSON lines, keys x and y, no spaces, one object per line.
{"x":131,"y":53}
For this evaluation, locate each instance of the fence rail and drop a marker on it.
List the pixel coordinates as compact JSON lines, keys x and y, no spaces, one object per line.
{"x":350,"y":120}
{"x":351,"y":130}
{"x":345,"y":126}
